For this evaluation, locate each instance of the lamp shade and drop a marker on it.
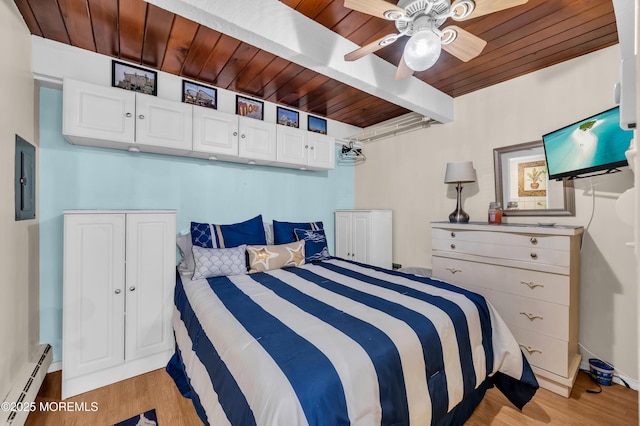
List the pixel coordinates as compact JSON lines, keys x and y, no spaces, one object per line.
{"x":460,"y":171}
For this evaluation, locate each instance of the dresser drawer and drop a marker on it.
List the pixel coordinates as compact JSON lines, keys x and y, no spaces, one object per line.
{"x":543,"y":351}
{"x":522,"y":282}
{"x":535,"y":255}
{"x":534,"y":315}
{"x":553,"y":242}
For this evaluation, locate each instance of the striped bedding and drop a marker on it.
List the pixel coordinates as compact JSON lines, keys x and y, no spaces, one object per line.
{"x":337,"y":343}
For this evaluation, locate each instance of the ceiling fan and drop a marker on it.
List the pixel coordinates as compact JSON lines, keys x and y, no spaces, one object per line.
{"x":421,"y":21}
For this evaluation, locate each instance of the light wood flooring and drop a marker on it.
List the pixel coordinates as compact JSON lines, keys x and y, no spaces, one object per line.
{"x":616,"y":405}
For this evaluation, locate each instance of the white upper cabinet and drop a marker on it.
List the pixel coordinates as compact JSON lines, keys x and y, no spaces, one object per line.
{"x":109,"y":117}
{"x":306,"y":149}
{"x":257,"y":140}
{"x":97,"y":112}
{"x":214,"y":132}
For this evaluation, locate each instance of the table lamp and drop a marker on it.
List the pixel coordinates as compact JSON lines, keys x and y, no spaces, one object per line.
{"x":459,"y":172}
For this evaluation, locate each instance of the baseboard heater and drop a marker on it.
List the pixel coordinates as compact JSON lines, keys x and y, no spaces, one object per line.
{"x":26,"y":387}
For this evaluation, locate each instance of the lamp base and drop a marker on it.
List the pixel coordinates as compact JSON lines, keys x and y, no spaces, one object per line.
{"x":459,"y":216}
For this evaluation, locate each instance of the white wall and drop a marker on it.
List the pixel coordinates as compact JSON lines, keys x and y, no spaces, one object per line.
{"x":406,"y":174}
{"x":18,"y":240}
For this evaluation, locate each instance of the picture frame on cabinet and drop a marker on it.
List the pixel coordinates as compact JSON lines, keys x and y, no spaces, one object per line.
{"x":317,"y":124}
{"x":198,"y":94}
{"x":288,"y":117}
{"x":137,"y":79}
{"x":248,"y":107}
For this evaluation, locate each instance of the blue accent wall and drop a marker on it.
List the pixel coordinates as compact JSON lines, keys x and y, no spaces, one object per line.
{"x":76,"y":177}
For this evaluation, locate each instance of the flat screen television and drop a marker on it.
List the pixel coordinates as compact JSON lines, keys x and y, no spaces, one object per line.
{"x":597,"y":143}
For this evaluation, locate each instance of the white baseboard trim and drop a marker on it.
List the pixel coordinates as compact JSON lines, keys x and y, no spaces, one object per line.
{"x":633,"y":383}
{"x":55,"y":366}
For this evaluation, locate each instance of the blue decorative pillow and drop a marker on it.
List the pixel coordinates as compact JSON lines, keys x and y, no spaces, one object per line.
{"x":283,"y":231}
{"x":315,"y":244}
{"x":250,"y":232}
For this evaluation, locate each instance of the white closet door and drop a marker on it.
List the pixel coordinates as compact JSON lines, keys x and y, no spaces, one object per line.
{"x":343,"y":235}
{"x":94,"y":297}
{"x":163,"y":123}
{"x":361,"y":234}
{"x":215,"y":132}
{"x":149,"y":286}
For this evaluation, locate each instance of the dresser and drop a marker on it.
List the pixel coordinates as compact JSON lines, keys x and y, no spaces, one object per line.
{"x":531,"y":275}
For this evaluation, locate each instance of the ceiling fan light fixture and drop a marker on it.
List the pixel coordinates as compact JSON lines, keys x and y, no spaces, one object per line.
{"x":422,"y":50}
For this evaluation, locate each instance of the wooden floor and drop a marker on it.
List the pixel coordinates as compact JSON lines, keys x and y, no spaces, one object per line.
{"x":616,"y":405}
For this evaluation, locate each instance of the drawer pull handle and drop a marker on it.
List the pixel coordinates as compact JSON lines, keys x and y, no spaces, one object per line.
{"x":531,"y":284}
{"x":530,"y":349}
{"x":534,"y":255}
{"x":453,"y":235}
{"x":453,"y":246}
{"x":533,"y":240}
{"x":531,"y":316}
{"x":454,"y":270}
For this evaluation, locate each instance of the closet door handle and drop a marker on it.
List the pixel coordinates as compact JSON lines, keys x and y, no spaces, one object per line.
{"x":132,"y":288}
{"x":141,"y":117}
{"x":531,"y":284}
{"x":453,"y":246}
{"x":530,"y":349}
{"x":235,"y":133}
{"x":453,"y":234}
{"x":534,"y":255}
{"x":128,"y":114}
{"x":533,"y":240}
{"x":531,"y":316}
{"x":117,"y":291}
{"x":243,"y":136}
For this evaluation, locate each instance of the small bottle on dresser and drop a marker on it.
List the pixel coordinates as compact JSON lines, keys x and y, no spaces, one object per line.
{"x":495,"y":212}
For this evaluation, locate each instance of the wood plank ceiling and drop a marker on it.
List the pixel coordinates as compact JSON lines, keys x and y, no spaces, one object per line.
{"x":520,"y":40}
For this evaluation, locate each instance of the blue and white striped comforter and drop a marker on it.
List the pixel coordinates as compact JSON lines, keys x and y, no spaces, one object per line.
{"x":338,"y":342}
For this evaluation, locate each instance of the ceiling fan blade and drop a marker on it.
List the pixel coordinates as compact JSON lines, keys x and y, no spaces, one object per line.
{"x":466,"y":46}
{"x":485,"y":7}
{"x":403,"y":70}
{"x":371,"y":47}
{"x":374,"y":7}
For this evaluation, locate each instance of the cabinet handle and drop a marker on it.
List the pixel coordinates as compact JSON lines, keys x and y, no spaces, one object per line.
{"x":453,"y":246}
{"x":242,"y":136}
{"x":311,"y":148}
{"x":534,"y":256}
{"x":453,"y":270}
{"x":348,"y":254}
{"x":128,"y":114}
{"x":132,"y":288}
{"x":353,"y":255}
{"x":531,"y":316}
{"x":453,"y":235}
{"x":533,"y":240}
{"x":117,"y":291}
{"x":141,"y":117}
{"x":306,"y":146}
{"x":235,"y":133}
{"x":530,"y":349}
{"x":531,"y":284}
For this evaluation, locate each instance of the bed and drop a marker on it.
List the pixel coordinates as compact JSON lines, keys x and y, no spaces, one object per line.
{"x":334,"y":342}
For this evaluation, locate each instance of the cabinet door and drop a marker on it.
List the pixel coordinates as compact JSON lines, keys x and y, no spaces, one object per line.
{"x":293,"y":145}
{"x":257,"y":139}
{"x":215,"y":132}
{"x":360,"y":244}
{"x":93,"y":294}
{"x":150,"y":279}
{"x":322,"y":151}
{"x":163,"y":123}
{"x":96,"y":112}
{"x":343,"y":235}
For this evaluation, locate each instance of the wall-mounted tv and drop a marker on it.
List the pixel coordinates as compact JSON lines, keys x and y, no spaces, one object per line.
{"x":594,"y":144}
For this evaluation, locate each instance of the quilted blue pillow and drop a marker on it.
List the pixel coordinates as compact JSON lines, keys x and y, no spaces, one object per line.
{"x":283,"y":231}
{"x":250,"y":232}
{"x":315,"y":244}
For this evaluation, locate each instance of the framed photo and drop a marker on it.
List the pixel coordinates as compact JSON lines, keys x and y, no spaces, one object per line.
{"x":248,"y":107}
{"x":532,"y":179}
{"x":130,"y":77}
{"x":318,"y":125}
{"x":288,"y":117}
{"x":197,"y":94}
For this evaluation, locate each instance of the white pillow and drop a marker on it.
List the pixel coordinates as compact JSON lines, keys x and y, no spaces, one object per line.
{"x":211,"y":262}
{"x":184,"y":245}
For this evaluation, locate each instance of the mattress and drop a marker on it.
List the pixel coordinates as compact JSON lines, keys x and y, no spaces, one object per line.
{"x":338,"y":342}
